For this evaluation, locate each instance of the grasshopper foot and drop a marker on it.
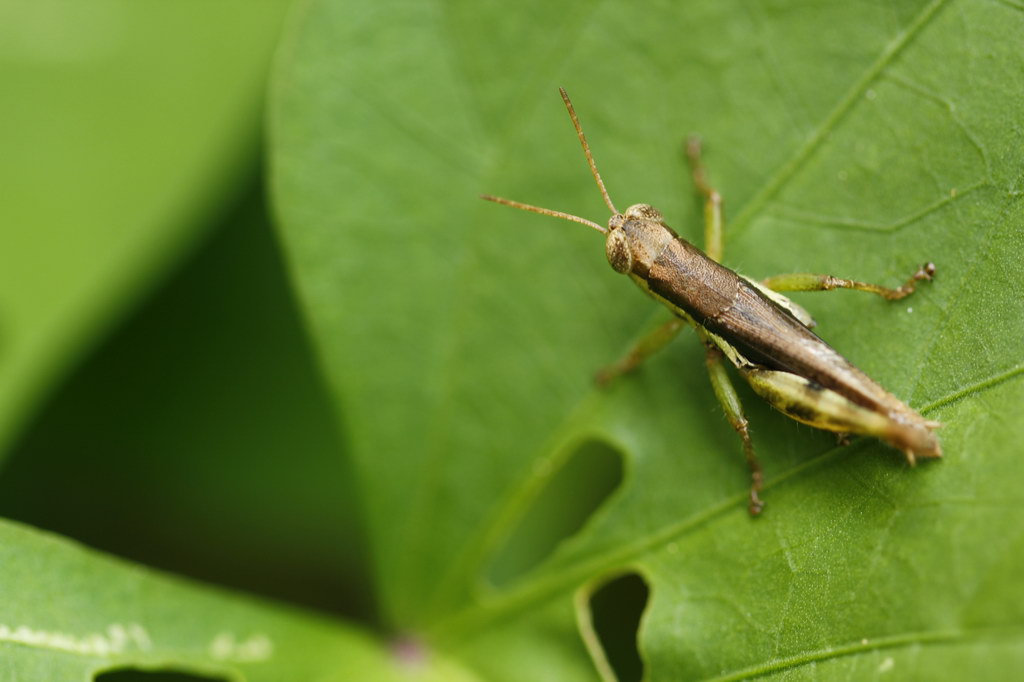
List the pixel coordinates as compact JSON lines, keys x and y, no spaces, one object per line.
{"x":925,"y":273}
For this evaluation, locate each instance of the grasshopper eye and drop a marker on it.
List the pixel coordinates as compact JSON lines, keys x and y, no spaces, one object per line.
{"x":616,"y":248}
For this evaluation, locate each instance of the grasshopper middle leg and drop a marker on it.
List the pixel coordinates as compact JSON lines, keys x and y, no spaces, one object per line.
{"x":730,"y":401}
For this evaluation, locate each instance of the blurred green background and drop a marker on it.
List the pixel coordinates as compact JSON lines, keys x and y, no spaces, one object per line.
{"x":158,"y":398}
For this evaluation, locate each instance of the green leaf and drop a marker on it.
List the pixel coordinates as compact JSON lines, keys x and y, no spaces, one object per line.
{"x":460,"y":338}
{"x":68,"y":613}
{"x":125,"y":126}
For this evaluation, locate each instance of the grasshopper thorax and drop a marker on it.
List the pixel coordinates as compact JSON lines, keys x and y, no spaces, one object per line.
{"x":636,"y":238}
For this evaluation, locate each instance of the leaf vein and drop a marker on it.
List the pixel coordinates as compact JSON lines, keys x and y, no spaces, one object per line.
{"x":853,"y":648}
{"x":804,"y":153}
{"x":812,"y":218}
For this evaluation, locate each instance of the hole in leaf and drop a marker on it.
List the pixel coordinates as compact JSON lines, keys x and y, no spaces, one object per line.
{"x":615,"y":612}
{"x":572,"y":494}
{"x":136,"y":675}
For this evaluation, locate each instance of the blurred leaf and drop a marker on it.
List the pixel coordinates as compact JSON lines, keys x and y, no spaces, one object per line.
{"x":123,"y":125}
{"x":460,"y":337}
{"x":68,"y":613}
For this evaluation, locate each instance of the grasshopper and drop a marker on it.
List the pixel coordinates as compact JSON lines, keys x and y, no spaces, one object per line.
{"x":763,"y":334}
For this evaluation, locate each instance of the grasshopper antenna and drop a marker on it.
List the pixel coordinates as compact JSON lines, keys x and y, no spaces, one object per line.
{"x":586,"y":150}
{"x":593,"y":170}
{"x":544,"y":211}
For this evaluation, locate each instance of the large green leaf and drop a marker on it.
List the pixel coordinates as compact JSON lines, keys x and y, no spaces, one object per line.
{"x":124,"y":127}
{"x":460,"y":338}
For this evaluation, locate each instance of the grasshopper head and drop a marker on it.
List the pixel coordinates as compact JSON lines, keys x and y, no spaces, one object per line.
{"x":635,"y":238}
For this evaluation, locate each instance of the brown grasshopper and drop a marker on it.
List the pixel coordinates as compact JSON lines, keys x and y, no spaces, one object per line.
{"x":762,"y":333}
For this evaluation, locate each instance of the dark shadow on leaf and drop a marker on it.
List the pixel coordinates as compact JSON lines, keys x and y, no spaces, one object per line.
{"x":199,"y":438}
{"x":583,"y":483}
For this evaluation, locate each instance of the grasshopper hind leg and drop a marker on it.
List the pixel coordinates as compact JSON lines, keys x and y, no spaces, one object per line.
{"x":808,"y":402}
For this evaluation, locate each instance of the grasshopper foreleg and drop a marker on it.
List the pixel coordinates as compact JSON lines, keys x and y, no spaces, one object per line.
{"x":649,"y":344}
{"x":815,"y":282}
